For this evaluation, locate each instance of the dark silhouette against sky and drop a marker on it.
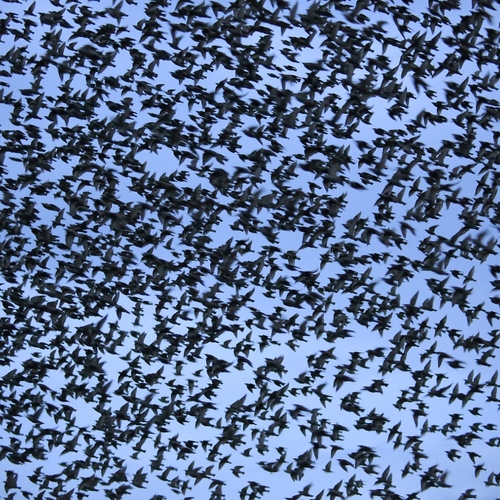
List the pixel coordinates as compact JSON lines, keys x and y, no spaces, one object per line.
{"x":249,"y":249}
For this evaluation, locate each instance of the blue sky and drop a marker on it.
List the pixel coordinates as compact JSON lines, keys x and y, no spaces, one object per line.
{"x":252,"y":324}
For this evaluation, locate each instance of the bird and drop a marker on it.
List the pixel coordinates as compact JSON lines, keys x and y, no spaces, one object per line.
{"x":304,"y":195}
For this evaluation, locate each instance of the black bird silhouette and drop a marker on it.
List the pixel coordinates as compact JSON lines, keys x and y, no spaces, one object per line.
{"x":199,"y":189}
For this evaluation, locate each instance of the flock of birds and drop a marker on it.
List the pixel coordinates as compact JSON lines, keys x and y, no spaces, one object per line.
{"x":248,"y":249}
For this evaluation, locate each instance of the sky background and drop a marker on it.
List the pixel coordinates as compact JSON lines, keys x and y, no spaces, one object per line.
{"x":244,"y":327}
